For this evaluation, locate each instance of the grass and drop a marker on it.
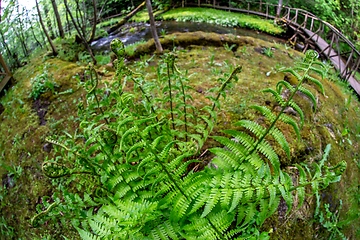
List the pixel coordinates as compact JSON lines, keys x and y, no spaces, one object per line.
{"x":219,"y":17}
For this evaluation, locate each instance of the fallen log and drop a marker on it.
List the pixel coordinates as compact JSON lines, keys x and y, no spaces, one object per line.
{"x":126,"y":18}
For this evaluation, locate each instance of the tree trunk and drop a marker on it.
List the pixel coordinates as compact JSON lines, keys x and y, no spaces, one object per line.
{"x":153,"y":27}
{"x":23,"y":46}
{"x":126,"y":18}
{"x":92,"y":35}
{"x":67,"y":21}
{"x":45,"y":31}
{"x":48,"y":22}
{"x":32,"y":30}
{"x":99,"y":15}
{"x":81,"y":21}
{"x":58,"y":20}
{"x":79,"y":32}
{"x":14,"y":56}
{"x":278,"y":11}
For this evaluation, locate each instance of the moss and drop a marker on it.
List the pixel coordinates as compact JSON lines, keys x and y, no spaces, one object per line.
{"x":22,"y":138}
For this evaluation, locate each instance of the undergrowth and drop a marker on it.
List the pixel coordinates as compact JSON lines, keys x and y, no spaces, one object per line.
{"x":132,"y":170}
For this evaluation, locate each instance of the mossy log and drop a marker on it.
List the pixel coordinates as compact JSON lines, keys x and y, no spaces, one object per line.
{"x":194,"y":38}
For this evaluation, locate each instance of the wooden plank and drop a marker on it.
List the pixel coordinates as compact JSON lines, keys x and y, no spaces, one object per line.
{"x":4,"y":82}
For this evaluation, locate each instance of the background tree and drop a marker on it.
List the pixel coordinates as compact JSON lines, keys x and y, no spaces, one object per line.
{"x":45,"y":31}
{"x":153,"y":27}
{"x":58,"y":20}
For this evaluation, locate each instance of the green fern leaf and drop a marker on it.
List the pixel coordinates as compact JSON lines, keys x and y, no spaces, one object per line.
{"x":215,"y":195}
{"x":317,"y":82}
{"x":288,"y":120}
{"x":264,"y":111}
{"x":298,"y":110}
{"x":254,"y":127}
{"x":309,"y":94}
{"x":280,"y":138}
{"x":86,"y":235}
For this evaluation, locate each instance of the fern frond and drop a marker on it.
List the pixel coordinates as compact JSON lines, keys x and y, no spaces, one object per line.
{"x":298,"y":110}
{"x":318,"y":83}
{"x":309,"y":94}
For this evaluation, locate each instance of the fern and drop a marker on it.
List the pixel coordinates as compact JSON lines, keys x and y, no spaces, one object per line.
{"x":132,"y":171}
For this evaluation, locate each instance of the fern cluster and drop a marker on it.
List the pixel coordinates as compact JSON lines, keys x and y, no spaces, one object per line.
{"x":132,"y":171}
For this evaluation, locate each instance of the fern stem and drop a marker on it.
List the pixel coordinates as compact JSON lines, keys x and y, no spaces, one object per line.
{"x":281,"y":112}
{"x":147,"y":98}
{"x":100,"y":108}
{"x":223,"y":86}
{"x":184,"y":100}
{"x":171,"y":108}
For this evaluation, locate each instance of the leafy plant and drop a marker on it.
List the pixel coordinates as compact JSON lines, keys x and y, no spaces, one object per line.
{"x":229,"y":48}
{"x":42,"y":82}
{"x":135,"y":170}
{"x":268,"y":52}
{"x":330,"y":221}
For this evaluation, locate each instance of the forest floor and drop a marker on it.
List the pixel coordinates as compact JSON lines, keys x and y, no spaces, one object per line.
{"x":26,"y":122}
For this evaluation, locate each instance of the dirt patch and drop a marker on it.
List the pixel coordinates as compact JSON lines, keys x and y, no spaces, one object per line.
{"x":41,"y":107}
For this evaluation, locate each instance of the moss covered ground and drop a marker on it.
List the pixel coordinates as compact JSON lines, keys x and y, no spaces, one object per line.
{"x":23,"y":148}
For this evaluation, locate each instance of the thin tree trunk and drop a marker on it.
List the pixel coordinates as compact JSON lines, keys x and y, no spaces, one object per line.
{"x":58,"y":20}
{"x":78,"y":12}
{"x":153,"y":27}
{"x":79,"y":32}
{"x":21,"y":41}
{"x":67,"y":21}
{"x":99,"y":15}
{"x":42,"y":33}
{"x":48,"y":22}
{"x":14,"y":56}
{"x":45,"y":31}
{"x":92,"y":35}
{"x":84,"y":20}
{"x":32,"y":30}
{"x":126,"y":18}
{"x":278,"y":12}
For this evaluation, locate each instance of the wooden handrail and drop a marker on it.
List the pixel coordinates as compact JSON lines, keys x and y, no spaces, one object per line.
{"x":7,"y":73}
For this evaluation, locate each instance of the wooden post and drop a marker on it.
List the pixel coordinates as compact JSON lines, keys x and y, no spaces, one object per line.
{"x":7,"y":73}
{"x":312,"y":23}
{"x":347,"y":64}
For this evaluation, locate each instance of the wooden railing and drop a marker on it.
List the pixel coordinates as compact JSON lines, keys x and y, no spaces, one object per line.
{"x":345,"y":57}
{"x":7,"y":73}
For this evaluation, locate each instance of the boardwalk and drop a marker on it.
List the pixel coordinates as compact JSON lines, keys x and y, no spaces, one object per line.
{"x":337,"y":62}
{"x":312,"y":29}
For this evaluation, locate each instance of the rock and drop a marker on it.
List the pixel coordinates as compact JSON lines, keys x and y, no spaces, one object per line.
{"x":47,"y":147}
{"x":2,"y":109}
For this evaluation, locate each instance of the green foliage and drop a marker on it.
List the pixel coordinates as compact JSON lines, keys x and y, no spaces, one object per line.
{"x":102,"y":59}
{"x":223,"y":18}
{"x":133,"y":174}
{"x":330,"y":221}
{"x":42,"y":82}
{"x":130,"y":49}
{"x":268,"y":52}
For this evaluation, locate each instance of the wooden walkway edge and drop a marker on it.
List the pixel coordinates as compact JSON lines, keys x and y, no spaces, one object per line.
{"x":337,"y":62}
{"x":7,"y":73}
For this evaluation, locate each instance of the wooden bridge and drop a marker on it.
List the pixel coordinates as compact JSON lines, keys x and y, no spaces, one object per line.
{"x":7,"y":73}
{"x":312,"y":30}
